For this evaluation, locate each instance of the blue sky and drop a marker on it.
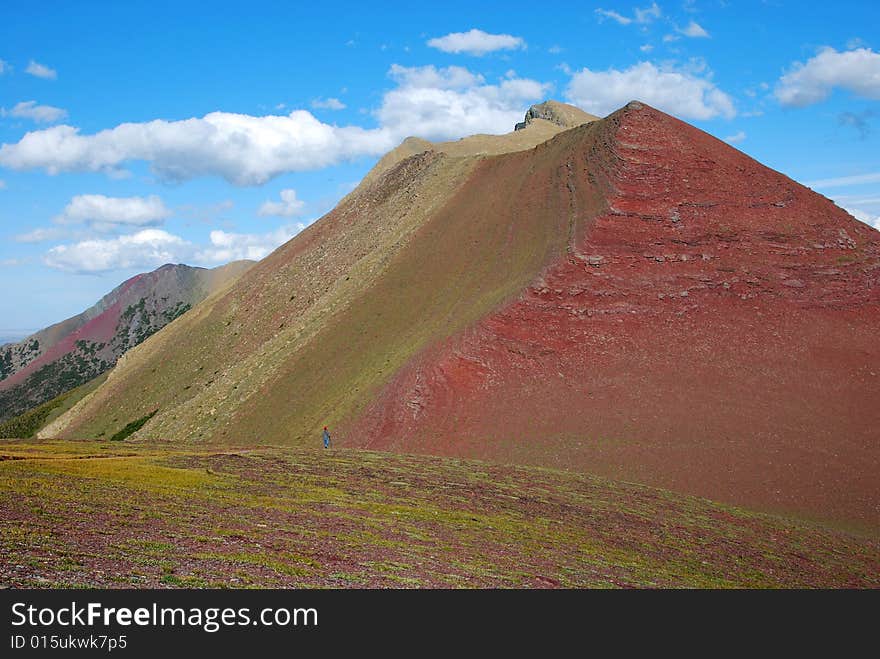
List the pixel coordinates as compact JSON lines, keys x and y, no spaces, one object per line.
{"x":136,"y":133}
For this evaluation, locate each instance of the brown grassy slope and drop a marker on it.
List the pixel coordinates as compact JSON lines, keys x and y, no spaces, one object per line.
{"x":219,"y":355}
{"x":481,"y":248}
{"x":713,"y":333}
{"x":104,"y":514}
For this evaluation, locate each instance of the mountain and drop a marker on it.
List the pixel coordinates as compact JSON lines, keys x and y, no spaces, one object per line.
{"x":628,"y":296}
{"x":65,"y":355}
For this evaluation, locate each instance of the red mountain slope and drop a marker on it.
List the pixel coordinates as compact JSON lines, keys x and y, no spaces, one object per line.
{"x":712,"y":329}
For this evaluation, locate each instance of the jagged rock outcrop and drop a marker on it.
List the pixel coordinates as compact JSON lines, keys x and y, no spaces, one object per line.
{"x":560,"y":114}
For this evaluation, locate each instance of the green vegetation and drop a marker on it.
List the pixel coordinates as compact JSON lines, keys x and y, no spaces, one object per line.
{"x":167,"y":517}
{"x":132,"y":427}
{"x":17,"y":356}
{"x":6,"y":367}
{"x":53,"y":379}
{"x":28,"y":424}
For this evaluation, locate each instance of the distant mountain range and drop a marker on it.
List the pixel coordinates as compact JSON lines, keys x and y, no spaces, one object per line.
{"x":63,"y":356}
{"x":627,"y":296}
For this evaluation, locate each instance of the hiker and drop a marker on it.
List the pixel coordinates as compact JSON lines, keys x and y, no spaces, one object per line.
{"x":326,"y":438}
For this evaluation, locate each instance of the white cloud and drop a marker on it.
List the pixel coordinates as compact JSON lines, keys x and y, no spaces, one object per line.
{"x":694,"y":29}
{"x":844,"y":181}
{"x":669,"y":38}
{"x":448,"y":103}
{"x":681,"y":93}
{"x":648,"y":14}
{"x":641,"y":16}
{"x":42,"y":235}
{"x":4,"y":67}
{"x":289,"y":206}
{"x":863,"y":216}
{"x":45,"y":114}
{"x":736,"y":138}
{"x":243,"y":149}
{"x":2,"y":184}
{"x":148,"y":248}
{"x":857,"y":71}
{"x":554,"y":49}
{"x":226,"y":247}
{"x":476,"y":42}
{"x":328,"y":104}
{"x":858,"y":200}
{"x":108,"y":213}
{"x":434,"y":103}
{"x":41,"y":70}
{"x":450,"y":77}
{"x":646,"y":48}
{"x":614,"y":16}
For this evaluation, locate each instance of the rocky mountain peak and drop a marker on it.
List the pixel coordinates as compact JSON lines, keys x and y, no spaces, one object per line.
{"x":561,"y":114}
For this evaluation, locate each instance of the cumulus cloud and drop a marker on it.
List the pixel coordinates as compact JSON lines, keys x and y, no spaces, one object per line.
{"x":226,"y":246}
{"x":148,"y":248}
{"x":289,"y":206}
{"x":243,"y":149}
{"x":736,"y":138}
{"x":857,"y":71}
{"x":476,"y":42}
{"x":452,"y":102}
{"x":434,"y":103}
{"x":108,"y":213}
{"x":44,"y":114}
{"x":328,"y":104}
{"x":679,"y":92}
{"x":694,"y":29}
{"x":41,"y":70}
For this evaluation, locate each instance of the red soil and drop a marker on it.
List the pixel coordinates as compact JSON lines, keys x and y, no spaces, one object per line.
{"x":713,"y":331}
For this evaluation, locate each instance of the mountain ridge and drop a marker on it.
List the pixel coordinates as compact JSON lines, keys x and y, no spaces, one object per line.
{"x":631,"y":296}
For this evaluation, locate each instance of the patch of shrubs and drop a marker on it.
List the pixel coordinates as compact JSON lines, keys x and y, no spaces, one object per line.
{"x":133,"y":427}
